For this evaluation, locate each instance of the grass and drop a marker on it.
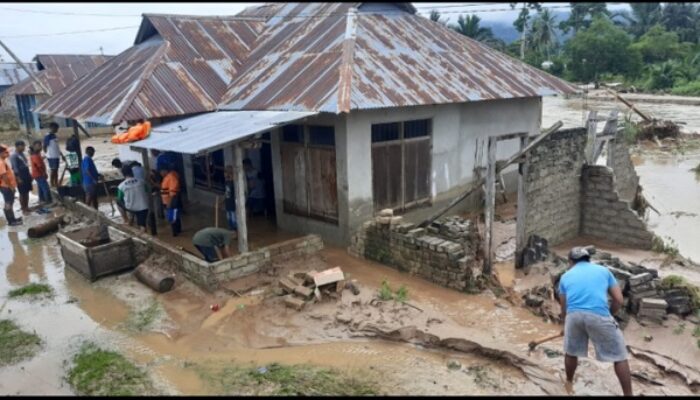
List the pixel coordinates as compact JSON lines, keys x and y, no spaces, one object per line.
{"x":97,"y":372}
{"x":679,"y":282}
{"x":32,"y":289}
{"x":16,"y":344}
{"x":696,"y":331}
{"x":679,"y":329}
{"x":386,"y":293}
{"x":658,"y":245}
{"x":287,"y":380}
{"x":143,"y":319}
{"x":481,"y":377}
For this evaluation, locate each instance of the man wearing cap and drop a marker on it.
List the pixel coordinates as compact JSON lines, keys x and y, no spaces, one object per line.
{"x":8,"y":185}
{"x":583,"y":295}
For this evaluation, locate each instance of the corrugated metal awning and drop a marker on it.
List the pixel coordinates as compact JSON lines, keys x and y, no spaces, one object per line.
{"x":212,"y":131}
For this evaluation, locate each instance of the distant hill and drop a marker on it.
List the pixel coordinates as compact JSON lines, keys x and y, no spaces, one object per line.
{"x":506,"y":31}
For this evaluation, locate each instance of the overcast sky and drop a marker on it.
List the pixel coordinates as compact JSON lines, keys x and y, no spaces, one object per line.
{"x":20,"y":19}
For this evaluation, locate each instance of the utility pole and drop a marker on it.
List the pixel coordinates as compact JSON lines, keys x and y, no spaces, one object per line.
{"x":101,"y":52}
{"x":27,"y":70}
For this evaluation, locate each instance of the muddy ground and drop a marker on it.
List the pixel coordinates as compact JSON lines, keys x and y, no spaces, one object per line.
{"x":444,"y":342}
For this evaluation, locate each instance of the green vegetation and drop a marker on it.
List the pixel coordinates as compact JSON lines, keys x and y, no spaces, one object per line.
{"x":696,"y":331}
{"x":679,"y":282}
{"x":386,"y":293}
{"x":144,"y":318}
{"x":16,"y":344}
{"x":481,"y":377}
{"x":98,"y":372}
{"x":32,"y":289}
{"x":679,"y":329}
{"x":660,"y":246}
{"x":283,"y":380}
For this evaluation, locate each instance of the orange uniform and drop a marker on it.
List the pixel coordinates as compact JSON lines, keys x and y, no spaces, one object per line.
{"x":169,"y":187}
{"x":6,"y":174}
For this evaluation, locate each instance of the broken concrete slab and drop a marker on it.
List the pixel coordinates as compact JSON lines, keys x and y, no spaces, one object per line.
{"x":639,"y":279}
{"x":331,"y":275}
{"x":653,"y":304}
{"x":288,"y":285}
{"x":294,"y":302}
{"x":304,"y":292}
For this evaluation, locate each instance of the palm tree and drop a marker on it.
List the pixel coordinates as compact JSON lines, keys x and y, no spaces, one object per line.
{"x":542,"y":36}
{"x":470,"y":26}
{"x":435,"y":15}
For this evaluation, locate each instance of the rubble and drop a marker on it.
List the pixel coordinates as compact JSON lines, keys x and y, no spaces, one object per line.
{"x":303,"y":287}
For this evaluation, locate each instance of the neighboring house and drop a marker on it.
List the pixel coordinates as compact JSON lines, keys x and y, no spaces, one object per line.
{"x":55,"y":71}
{"x":354,"y":107}
{"x":11,"y":74}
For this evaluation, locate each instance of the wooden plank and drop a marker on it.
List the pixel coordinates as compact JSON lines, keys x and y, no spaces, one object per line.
{"x":490,"y":204}
{"x":240,"y":200}
{"x":323,"y":180}
{"x":152,"y":205}
{"x":479,"y":182}
{"x":520,"y":239}
{"x":630,"y":105}
{"x":510,"y":136}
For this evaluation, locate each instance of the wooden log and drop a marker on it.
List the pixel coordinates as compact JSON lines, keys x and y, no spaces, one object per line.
{"x":490,"y":206}
{"x":240,"y":200}
{"x":44,"y":229}
{"x":630,"y":105}
{"x":156,"y":279}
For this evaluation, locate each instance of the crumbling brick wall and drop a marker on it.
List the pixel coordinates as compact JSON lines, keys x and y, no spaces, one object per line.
{"x":621,"y":163}
{"x":445,"y":253}
{"x":553,"y":188}
{"x":605,"y":215}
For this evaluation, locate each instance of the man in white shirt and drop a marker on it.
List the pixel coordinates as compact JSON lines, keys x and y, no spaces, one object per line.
{"x":53,"y":152}
{"x":134,"y":195}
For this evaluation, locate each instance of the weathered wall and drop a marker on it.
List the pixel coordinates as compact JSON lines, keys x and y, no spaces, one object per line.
{"x":446,"y":253}
{"x":620,"y":161}
{"x":605,"y":215}
{"x":553,"y":187}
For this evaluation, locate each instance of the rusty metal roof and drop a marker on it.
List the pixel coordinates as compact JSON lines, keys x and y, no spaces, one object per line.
{"x":179,"y":65}
{"x":12,"y":73}
{"x":57,"y":71}
{"x":374,"y":57}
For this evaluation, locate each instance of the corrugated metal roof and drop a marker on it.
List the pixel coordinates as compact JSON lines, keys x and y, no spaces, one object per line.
{"x":57,"y":71}
{"x":374,"y":58}
{"x":12,"y":73}
{"x":179,"y":65}
{"x":211,"y":131}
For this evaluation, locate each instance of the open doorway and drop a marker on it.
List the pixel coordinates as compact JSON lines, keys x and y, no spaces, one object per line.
{"x":262,"y":175}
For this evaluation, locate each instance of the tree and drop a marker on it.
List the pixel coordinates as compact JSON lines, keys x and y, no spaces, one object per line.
{"x":644,"y":17}
{"x":682,"y":18}
{"x":658,"y":45}
{"x":435,"y":16}
{"x":469,"y":25}
{"x":582,"y":14}
{"x":522,"y":23}
{"x":602,"y":48}
{"x":542,"y":36}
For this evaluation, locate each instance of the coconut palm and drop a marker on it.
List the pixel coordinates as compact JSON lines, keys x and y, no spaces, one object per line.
{"x":469,"y":26}
{"x":542,"y":36}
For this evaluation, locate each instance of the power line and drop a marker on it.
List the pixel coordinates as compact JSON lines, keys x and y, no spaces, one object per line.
{"x":67,"y":13}
{"x":71,"y":33}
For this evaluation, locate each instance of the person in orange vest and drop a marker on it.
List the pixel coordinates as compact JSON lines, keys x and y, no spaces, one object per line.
{"x":170,"y":194}
{"x":8,"y":185}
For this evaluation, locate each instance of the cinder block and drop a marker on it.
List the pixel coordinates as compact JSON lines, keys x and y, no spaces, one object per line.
{"x":293,"y":302}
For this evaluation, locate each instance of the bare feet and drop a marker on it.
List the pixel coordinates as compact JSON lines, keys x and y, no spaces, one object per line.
{"x":569,"y":386}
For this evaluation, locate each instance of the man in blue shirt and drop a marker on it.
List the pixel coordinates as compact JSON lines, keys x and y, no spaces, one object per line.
{"x":583,"y":295}
{"x":90,"y":177}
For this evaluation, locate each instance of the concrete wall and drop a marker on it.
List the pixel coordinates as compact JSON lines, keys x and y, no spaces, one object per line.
{"x":553,"y":187}
{"x":620,"y":161}
{"x":445,"y":253}
{"x":606,"y":215}
{"x":457,"y":131}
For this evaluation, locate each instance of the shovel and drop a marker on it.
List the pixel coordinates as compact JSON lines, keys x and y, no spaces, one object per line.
{"x":111,"y":203}
{"x":538,"y":342}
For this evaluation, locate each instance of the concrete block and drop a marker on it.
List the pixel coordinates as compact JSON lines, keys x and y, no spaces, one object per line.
{"x":293,"y":302}
{"x":304,"y":292}
{"x":387,"y":212}
{"x":639,"y":279}
{"x":288,"y":285}
{"x":328,"y":276}
{"x":647,"y":304}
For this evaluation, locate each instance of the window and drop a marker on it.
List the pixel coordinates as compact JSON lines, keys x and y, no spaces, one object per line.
{"x":309,"y":172}
{"x":208,"y":171}
{"x":401,"y":160}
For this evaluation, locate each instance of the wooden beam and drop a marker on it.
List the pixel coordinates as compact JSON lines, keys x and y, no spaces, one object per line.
{"x":520,"y":239}
{"x":479,"y":182}
{"x":490,"y":205}
{"x":82,"y":128}
{"x":240,"y":199}
{"x":630,"y":105}
{"x":510,"y":136}
{"x":27,"y":70}
{"x":151,"y":201}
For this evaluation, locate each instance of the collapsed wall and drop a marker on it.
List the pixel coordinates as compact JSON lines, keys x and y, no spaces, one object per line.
{"x":606,"y":215}
{"x":445,"y":253}
{"x":619,"y":160}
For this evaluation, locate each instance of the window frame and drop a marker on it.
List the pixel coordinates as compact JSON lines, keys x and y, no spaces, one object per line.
{"x":209,"y":185}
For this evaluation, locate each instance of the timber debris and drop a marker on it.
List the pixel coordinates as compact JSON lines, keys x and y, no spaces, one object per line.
{"x":308,"y":287}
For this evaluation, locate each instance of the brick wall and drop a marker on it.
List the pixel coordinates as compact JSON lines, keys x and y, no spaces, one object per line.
{"x":207,"y":275}
{"x":621,"y":163}
{"x":605,"y":215}
{"x":445,"y":253}
{"x":553,"y":188}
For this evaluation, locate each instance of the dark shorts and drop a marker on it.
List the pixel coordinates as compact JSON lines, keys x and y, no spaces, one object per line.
{"x":208,"y":252}
{"x":140,"y":217}
{"x":90,"y":190}
{"x":120,"y":204}
{"x":53,"y":163}
{"x":25,"y":187}
{"x":8,"y":195}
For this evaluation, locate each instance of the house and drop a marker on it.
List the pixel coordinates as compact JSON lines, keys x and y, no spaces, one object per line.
{"x":55,"y":72}
{"x":346,"y":108}
{"x":11,"y":74}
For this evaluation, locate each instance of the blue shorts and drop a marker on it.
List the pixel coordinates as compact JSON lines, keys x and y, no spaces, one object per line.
{"x":173,"y":214}
{"x":53,"y":163}
{"x":604,"y":332}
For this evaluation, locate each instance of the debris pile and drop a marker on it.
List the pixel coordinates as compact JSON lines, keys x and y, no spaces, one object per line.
{"x":644,"y":295}
{"x":301,"y":288}
{"x":658,"y":129}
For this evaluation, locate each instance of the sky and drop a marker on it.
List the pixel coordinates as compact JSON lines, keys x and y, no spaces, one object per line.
{"x":48,"y":19}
